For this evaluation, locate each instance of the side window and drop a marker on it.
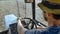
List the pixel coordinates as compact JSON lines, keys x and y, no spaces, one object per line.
{"x":39,"y":13}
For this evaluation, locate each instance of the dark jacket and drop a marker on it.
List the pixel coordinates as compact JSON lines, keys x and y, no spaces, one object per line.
{"x":49,"y":30}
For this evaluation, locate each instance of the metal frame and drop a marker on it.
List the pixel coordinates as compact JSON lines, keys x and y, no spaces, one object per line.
{"x":33,"y":9}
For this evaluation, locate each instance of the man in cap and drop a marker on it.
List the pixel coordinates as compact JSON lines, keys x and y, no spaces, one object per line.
{"x":51,"y":12}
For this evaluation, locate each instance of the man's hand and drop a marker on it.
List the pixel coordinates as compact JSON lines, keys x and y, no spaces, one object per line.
{"x":20,"y":27}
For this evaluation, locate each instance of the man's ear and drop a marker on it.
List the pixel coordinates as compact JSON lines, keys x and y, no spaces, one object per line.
{"x":48,"y":15}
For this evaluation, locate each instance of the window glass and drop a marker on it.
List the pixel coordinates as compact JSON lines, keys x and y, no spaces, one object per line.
{"x":39,"y":13}
{"x":8,"y":7}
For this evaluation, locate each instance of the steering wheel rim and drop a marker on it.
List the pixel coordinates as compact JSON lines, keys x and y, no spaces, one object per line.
{"x":33,"y":22}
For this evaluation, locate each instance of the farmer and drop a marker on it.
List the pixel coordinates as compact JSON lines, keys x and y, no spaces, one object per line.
{"x":51,"y":12}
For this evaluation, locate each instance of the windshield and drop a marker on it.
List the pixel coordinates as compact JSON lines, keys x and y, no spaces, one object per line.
{"x":8,"y":7}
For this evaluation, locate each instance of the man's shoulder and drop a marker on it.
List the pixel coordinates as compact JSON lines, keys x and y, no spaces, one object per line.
{"x":51,"y":30}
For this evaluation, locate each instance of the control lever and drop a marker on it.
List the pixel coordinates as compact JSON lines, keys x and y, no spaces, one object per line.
{"x":13,"y":28}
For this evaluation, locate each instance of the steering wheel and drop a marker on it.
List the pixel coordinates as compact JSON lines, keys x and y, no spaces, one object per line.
{"x":29,"y":23}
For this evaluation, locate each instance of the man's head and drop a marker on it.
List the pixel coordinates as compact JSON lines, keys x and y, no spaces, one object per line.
{"x":51,"y":11}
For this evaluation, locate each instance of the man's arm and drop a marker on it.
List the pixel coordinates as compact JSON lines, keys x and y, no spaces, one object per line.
{"x":22,"y":30}
{"x":20,"y":27}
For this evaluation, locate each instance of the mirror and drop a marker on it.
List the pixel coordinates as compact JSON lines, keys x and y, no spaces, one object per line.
{"x":29,"y":1}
